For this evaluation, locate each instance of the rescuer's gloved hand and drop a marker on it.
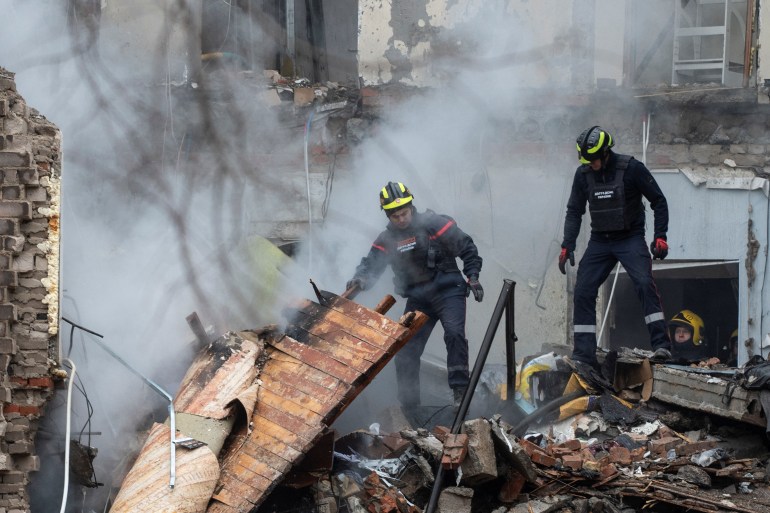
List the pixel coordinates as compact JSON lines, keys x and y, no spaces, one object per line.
{"x":356,"y":283}
{"x":659,"y":248}
{"x":475,"y":287}
{"x":566,"y":254}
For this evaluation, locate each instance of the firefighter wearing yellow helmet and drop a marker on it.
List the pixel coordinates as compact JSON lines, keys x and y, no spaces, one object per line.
{"x":688,"y":336}
{"x":422,"y":249}
{"x":613,"y":186}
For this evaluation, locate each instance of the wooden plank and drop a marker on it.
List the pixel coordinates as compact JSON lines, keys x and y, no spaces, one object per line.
{"x":270,"y":399}
{"x":241,"y":477}
{"x":365,"y":324}
{"x":234,"y":495}
{"x":336,"y":351}
{"x":257,"y":466}
{"x":268,"y":432}
{"x":291,"y":423}
{"x":366,"y":316}
{"x":314,"y":358}
{"x":287,"y":390}
{"x":301,"y":383}
{"x":292,"y":366}
{"x":269,"y":458}
{"x":324,"y":329}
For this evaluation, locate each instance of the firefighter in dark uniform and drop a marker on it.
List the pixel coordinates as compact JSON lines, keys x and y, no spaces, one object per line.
{"x":422,"y":249}
{"x":613,"y":186}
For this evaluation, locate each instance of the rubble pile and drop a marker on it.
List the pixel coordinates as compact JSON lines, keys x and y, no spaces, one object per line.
{"x":615,"y":468}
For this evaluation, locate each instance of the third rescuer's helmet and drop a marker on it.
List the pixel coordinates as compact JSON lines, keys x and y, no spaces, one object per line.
{"x":394,"y":196}
{"x":691,"y":320}
{"x":593,"y":144}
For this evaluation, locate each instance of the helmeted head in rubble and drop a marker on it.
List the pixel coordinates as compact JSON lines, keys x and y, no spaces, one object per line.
{"x":593,"y":147}
{"x":397,"y":201}
{"x":687,"y":327}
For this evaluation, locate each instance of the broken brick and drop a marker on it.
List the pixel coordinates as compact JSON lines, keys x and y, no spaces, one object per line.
{"x":687,"y":449}
{"x":608,"y":470}
{"x":542,"y":458}
{"x":620,"y":455}
{"x":665,"y":444}
{"x":573,"y":461}
{"x":511,"y":488}
{"x":572,"y":444}
{"x":455,"y":451}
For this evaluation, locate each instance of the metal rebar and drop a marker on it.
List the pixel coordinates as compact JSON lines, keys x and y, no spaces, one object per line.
{"x":494,"y":322}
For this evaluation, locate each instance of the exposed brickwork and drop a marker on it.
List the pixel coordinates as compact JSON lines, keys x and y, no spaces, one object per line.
{"x":30,"y":166}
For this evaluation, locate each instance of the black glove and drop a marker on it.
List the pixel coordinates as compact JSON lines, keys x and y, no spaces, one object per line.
{"x":659,"y":248}
{"x":475,"y":287}
{"x":356,"y":282}
{"x":566,"y":254}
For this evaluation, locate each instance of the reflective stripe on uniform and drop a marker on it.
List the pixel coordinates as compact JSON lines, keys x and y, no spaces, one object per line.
{"x":658,"y":316}
{"x":585,"y":328}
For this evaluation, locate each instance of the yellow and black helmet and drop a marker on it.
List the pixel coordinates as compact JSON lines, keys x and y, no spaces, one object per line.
{"x":691,"y":320}
{"x":593,"y":144}
{"x":394,"y":196}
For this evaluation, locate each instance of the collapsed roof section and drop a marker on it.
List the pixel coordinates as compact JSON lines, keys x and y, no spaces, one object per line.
{"x":307,"y":375}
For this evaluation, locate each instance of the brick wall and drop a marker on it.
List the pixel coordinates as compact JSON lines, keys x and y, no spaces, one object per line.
{"x":30,"y":168}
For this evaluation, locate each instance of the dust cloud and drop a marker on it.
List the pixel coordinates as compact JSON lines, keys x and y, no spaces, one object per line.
{"x":157,"y":218}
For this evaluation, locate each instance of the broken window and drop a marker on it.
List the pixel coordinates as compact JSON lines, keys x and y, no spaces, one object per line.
{"x":708,"y":288}
{"x":695,"y":41}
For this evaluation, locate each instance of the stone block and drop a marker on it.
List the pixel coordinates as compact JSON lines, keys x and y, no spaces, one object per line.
{"x":28,"y":176}
{"x":455,"y":499}
{"x":24,"y":447}
{"x":24,"y":261}
{"x":11,"y":192}
{"x":9,"y":279}
{"x":13,"y":243}
{"x":15,"y":159}
{"x":30,"y":344}
{"x":8,"y":345}
{"x":3,"y":107}
{"x":14,"y":477}
{"x":9,"y":176}
{"x":480,"y":465}
{"x":39,"y":194}
{"x":15,"y":125}
{"x":20,"y":209}
{"x":8,"y":227}
{"x":27,"y":463}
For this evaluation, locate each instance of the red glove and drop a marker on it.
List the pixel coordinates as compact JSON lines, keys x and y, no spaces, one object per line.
{"x":659,"y":248}
{"x":566,"y":254}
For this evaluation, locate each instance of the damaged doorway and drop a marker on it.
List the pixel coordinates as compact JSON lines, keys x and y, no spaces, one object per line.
{"x":708,"y":288}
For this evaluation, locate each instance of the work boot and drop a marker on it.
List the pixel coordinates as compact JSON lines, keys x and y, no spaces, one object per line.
{"x":661,"y":354}
{"x":458,"y":394}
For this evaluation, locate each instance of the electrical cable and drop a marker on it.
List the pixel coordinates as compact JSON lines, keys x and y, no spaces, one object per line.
{"x":67,"y":436}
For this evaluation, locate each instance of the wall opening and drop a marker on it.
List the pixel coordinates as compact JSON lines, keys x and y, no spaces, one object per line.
{"x":707,"y":288}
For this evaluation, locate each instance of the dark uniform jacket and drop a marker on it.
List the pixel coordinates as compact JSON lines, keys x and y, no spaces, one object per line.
{"x":637,"y":182}
{"x":423,"y":252}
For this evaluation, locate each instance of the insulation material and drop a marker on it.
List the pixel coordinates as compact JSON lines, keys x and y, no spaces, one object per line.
{"x":146,"y":487}
{"x":218,"y":381}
